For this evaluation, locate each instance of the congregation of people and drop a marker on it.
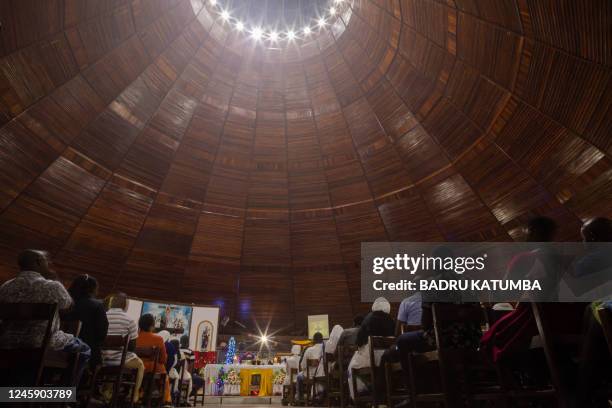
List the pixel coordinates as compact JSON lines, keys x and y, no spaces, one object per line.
{"x":506,"y":342}
{"x":37,"y":282}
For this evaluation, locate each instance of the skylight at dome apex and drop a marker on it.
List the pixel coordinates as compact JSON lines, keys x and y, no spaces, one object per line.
{"x":279,"y":23}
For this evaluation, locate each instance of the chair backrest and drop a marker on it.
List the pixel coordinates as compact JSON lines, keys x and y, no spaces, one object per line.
{"x":379,"y":343}
{"x":605,"y":315}
{"x":311,"y":366}
{"x":117,"y":342}
{"x":33,"y":356}
{"x":149,"y":353}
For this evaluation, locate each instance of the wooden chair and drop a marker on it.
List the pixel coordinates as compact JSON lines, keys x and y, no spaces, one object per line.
{"x":333,"y":389}
{"x":455,"y":366}
{"x":550,"y":342}
{"x":182,"y":389}
{"x":396,"y":389}
{"x":289,"y":389}
{"x":310,"y":380}
{"x":152,"y":377}
{"x":373,"y":373}
{"x":31,"y":359}
{"x":62,"y":363}
{"x":195,"y":397}
{"x":345,"y":353}
{"x":605,"y":316}
{"x":118,"y":375}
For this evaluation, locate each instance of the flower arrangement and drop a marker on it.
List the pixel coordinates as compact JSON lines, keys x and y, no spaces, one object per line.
{"x":232,"y":382}
{"x":279,"y":376}
{"x":232,"y":377}
{"x":277,"y":382}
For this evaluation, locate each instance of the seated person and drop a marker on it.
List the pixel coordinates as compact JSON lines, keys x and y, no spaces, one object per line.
{"x":196,"y":382}
{"x":349,"y":336}
{"x":376,"y":323}
{"x":331,"y":344}
{"x":409,"y":314}
{"x":36,"y":282}
{"x":172,"y":357}
{"x":91,"y":313}
{"x":146,"y":338}
{"x":314,"y":352}
{"x":119,"y":323}
{"x":293,"y":361}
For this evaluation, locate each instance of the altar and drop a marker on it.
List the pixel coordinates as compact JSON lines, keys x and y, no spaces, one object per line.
{"x":243,"y":379}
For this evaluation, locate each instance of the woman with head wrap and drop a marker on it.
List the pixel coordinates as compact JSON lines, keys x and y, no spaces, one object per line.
{"x":377,"y":323}
{"x":293,"y":361}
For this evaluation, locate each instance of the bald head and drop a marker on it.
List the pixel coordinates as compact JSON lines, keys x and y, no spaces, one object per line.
{"x":34,"y":260}
{"x":117,"y":300}
{"x":597,"y":230}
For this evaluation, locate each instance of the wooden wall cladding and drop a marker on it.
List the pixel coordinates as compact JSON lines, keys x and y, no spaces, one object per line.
{"x":144,"y":143}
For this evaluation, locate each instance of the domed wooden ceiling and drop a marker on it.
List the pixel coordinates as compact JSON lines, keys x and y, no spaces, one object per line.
{"x":150,"y":145}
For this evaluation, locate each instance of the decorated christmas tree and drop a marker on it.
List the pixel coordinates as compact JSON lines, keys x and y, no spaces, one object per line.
{"x":231,"y":351}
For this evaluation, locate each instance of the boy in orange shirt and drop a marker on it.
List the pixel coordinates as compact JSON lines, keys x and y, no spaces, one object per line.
{"x":146,"y":338}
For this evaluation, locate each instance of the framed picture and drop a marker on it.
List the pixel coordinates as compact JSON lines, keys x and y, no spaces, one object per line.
{"x":174,"y":318}
{"x":204,"y":336}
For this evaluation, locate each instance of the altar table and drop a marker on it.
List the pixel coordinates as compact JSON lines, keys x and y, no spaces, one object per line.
{"x":245,"y":371}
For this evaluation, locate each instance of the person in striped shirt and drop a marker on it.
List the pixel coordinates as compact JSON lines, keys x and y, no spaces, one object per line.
{"x":119,"y":323}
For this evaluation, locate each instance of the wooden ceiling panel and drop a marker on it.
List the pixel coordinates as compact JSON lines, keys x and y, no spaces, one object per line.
{"x":322,"y":290}
{"x":407,"y":218}
{"x":459,"y":212}
{"x":201,"y":284}
{"x":581,"y":28}
{"x":503,"y":13}
{"x":25,"y":22}
{"x":266,"y":296}
{"x":94,"y":38}
{"x":218,"y":238}
{"x":497,"y":53}
{"x":51,"y":207}
{"x":314,"y":239}
{"x":31,"y":73}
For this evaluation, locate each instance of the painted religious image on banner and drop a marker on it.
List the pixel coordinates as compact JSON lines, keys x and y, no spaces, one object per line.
{"x":204,"y":334}
{"x":174,"y":318}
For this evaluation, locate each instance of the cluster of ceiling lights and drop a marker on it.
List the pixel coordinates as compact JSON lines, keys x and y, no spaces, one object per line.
{"x":260,"y":34}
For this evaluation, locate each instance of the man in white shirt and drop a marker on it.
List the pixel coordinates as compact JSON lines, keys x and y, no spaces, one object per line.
{"x":37,"y":283}
{"x":119,"y":323}
{"x":293,"y":361}
{"x":314,"y":352}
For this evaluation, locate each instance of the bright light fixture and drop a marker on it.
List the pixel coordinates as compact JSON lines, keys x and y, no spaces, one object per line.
{"x":257,"y":33}
{"x":306,"y":30}
{"x":332,"y":11}
{"x":225,"y":15}
{"x":321,"y":22}
{"x":239,"y":26}
{"x":337,"y":1}
{"x":264,"y":338}
{"x":290,"y":35}
{"x":213,"y":2}
{"x":273,"y":36}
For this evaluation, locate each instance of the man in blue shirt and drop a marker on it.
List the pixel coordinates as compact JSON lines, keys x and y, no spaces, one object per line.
{"x":409,"y":314}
